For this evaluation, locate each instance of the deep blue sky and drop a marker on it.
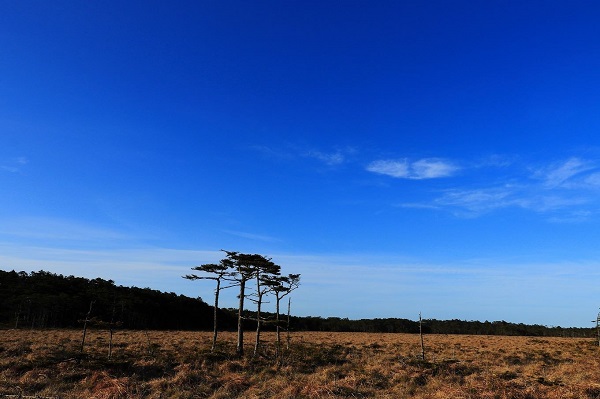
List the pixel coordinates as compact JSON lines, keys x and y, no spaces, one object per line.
{"x":438,"y":156}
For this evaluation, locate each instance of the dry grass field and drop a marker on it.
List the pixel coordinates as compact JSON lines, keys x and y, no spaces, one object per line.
{"x":318,"y":365}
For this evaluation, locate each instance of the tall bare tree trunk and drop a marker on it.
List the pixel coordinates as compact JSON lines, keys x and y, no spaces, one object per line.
{"x":258,"y":323}
{"x":216,"y":309}
{"x":258,"y":308}
{"x":240,"y":335}
{"x":277,"y":327}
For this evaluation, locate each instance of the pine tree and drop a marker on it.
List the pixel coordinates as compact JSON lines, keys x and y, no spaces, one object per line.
{"x":217,"y":272}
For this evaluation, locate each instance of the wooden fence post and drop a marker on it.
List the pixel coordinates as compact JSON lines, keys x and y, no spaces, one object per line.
{"x":421,"y":334}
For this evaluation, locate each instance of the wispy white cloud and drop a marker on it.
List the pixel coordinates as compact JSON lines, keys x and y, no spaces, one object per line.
{"x":577,"y":216}
{"x":417,"y":205}
{"x":495,"y":160}
{"x":565,"y":191}
{"x":432,"y":168}
{"x":46,"y":228}
{"x":339,"y":156}
{"x":592,"y":180}
{"x":475,"y":202}
{"x":555,"y":202}
{"x":14,"y":165}
{"x":331,"y":159}
{"x":563,"y":173}
{"x":427,"y":168}
{"x":252,"y":236}
{"x":274,"y":153}
{"x":391,"y":168}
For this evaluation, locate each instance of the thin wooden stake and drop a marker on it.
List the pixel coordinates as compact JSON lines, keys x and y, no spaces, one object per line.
{"x":288,"y":322}
{"x":421,"y":334}
{"x":598,"y":328}
{"x":87,"y":318}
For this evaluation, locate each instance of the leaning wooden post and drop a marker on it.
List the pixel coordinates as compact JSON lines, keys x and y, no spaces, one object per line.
{"x":421,"y":335}
{"x":87,"y":318}
{"x":598,"y":328}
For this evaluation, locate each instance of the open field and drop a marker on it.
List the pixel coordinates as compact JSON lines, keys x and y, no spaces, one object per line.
{"x":318,"y":365}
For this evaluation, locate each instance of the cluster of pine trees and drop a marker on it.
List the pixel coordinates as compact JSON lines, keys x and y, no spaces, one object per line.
{"x":255,"y":276}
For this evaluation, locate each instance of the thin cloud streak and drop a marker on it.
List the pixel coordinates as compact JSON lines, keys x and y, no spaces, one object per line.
{"x":558,"y":175}
{"x":14,"y":165}
{"x":273,"y":153}
{"x":427,"y":168}
{"x":334,"y":158}
{"x":331,"y":159}
{"x":56,"y":229}
{"x":479,"y":201}
{"x":252,"y":236}
{"x":292,"y":152}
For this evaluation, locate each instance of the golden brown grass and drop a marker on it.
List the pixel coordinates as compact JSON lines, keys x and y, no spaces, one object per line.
{"x":318,"y":365}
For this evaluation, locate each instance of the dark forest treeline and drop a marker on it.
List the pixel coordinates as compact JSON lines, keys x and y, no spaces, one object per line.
{"x":47,"y":300}
{"x":432,"y":326}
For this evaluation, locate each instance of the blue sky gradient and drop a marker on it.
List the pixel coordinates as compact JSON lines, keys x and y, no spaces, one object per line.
{"x":436,"y":157}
